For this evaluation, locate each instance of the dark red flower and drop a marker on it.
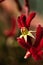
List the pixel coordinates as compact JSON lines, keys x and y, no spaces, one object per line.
{"x":24,"y":24}
{"x":35,"y":50}
{"x":24,"y":21}
{"x":39,"y":35}
{"x":12,"y":31}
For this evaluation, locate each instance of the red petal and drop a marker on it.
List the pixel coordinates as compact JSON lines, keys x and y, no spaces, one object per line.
{"x":27,"y":55}
{"x":29,"y":19}
{"x":36,"y":57}
{"x":13,"y":22}
{"x":39,"y":35}
{"x":9,"y":33}
{"x":20,"y":24}
{"x":40,"y":53}
{"x":23,"y":44}
{"x":40,"y":46}
{"x":35,"y":54}
{"x":12,"y":31}
{"x":20,"y":21}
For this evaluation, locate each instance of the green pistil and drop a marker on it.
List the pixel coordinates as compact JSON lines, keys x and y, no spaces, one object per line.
{"x":25,"y":32}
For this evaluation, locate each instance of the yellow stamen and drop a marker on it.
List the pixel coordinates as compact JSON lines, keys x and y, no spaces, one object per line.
{"x":25,"y":32}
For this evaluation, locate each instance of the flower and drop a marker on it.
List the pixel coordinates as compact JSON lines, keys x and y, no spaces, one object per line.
{"x":24,"y":44}
{"x":12,"y":31}
{"x":24,"y":24}
{"x":36,"y":50}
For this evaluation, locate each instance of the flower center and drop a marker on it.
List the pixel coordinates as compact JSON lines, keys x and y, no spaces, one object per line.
{"x":24,"y":31}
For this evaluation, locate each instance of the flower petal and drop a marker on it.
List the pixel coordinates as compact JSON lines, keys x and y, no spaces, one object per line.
{"x":40,"y":46}
{"x":31,"y":35}
{"x":29,"y":19}
{"x":25,"y":38}
{"x":39,"y":35}
{"x":27,"y":55}
{"x":35,"y":54}
{"x":40,"y":53}
{"x":21,"y":20}
{"x":36,"y":57}
{"x":23,"y":44}
{"x":12,"y":31}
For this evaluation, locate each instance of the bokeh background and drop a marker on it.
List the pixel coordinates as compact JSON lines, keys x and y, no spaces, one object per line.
{"x":10,"y":52}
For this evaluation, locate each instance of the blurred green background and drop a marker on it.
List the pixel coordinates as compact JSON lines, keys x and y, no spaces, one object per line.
{"x":36,"y":5}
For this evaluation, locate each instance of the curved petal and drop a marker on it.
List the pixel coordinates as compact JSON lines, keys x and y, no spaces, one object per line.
{"x":36,"y":56}
{"x":31,"y":35}
{"x":40,"y":46}
{"x":29,"y":19}
{"x":27,"y":55}
{"x":21,"y":21}
{"x":9,"y":33}
{"x":12,"y":31}
{"x":40,"y":53}
{"x":39,"y":35}
{"x":13,"y":22}
{"x":23,"y":44}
